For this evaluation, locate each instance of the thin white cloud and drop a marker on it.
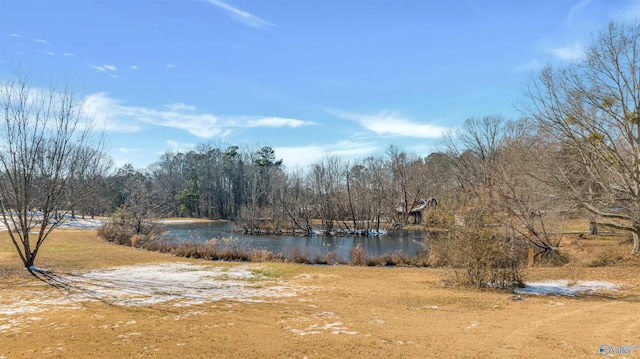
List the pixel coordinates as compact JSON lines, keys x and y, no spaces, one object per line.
{"x":180,"y":146}
{"x":68,"y":54}
{"x":51,"y":53}
{"x":242,"y":16}
{"x":628,"y":14}
{"x":170,"y":66}
{"x":133,"y":67}
{"x":15,"y":35}
{"x":303,"y":156}
{"x":300,"y":157}
{"x":180,"y":107}
{"x":126,"y":150}
{"x":277,"y":122}
{"x":111,"y":115}
{"x":393,"y":124}
{"x":574,"y":9}
{"x":108,"y":114}
{"x":569,"y":53}
{"x":42,"y":41}
{"x":532,"y":65}
{"x":199,"y":125}
{"x":104,"y":68}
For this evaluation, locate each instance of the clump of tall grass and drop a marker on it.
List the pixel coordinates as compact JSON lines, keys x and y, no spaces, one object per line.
{"x":359,"y":256}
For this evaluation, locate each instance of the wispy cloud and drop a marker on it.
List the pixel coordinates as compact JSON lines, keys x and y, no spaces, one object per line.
{"x":180,"y":146}
{"x":133,"y":67}
{"x":15,"y":35}
{"x":199,"y":125}
{"x":569,"y":53}
{"x":68,"y":54}
{"x":41,"y":41}
{"x":112,"y":115}
{"x":302,"y":156}
{"x":109,"y":115}
{"x":532,"y":65}
{"x":170,"y":66}
{"x":277,"y":122}
{"x":127,"y":150}
{"x":574,"y":9}
{"x":392,"y":123}
{"x":180,"y":107}
{"x":242,"y":16}
{"x":104,"y":68}
{"x":627,"y":14}
{"x":97,"y":68}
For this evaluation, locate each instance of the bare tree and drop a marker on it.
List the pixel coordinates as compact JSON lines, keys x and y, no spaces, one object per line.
{"x":492,"y":160}
{"x":326,"y":184}
{"x":592,"y":107}
{"x":48,"y":162}
{"x":408,"y":179}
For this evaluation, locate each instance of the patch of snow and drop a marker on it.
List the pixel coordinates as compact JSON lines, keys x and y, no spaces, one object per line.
{"x":37,"y":305}
{"x":72,"y":224}
{"x":562,"y":288}
{"x":333,"y":328}
{"x":182,"y":283}
{"x":319,"y":325}
{"x":176,"y":284}
{"x":16,"y":324}
{"x":82,"y":224}
{"x":472,"y":325}
{"x":177,"y":221}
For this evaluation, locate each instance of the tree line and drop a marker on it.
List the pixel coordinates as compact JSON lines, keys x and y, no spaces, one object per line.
{"x":252,"y":185}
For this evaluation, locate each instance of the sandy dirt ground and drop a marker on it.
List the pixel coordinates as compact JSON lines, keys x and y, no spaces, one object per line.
{"x":106,"y":301}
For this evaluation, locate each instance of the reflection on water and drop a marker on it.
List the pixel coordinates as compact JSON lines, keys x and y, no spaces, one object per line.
{"x":406,"y":243}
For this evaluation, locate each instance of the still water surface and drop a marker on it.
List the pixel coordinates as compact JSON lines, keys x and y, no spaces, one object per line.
{"x":407,"y":243}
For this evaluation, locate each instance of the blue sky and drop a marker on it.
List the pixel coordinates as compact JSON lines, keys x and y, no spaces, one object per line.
{"x":309,"y":78}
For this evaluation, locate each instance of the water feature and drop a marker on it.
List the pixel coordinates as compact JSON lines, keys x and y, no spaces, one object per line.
{"x":406,"y":243}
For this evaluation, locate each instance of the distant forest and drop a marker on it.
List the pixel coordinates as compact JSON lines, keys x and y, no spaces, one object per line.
{"x":245,"y":184}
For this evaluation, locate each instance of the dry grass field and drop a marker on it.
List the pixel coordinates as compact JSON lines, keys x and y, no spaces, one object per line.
{"x":108,"y":301}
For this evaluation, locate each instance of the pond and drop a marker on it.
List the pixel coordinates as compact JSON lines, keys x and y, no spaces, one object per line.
{"x":406,"y":243}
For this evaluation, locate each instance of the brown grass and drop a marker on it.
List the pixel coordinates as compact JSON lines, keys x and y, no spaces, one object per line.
{"x":340,"y":312}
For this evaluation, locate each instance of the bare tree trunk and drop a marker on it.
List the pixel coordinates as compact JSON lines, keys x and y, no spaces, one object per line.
{"x":593,"y":226}
{"x":636,"y":242}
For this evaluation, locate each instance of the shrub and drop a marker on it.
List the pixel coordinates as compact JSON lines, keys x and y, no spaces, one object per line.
{"x":359,"y":256}
{"x":264,"y":255}
{"x":125,"y":229}
{"x":440,"y":217}
{"x":298,"y":255}
{"x":477,"y":256}
{"x":332,"y":258}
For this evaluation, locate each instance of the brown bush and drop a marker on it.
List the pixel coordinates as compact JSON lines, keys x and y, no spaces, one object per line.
{"x":123,"y":226}
{"x":298,"y":255}
{"x":477,"y":256}
{"x":359,"y":256}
